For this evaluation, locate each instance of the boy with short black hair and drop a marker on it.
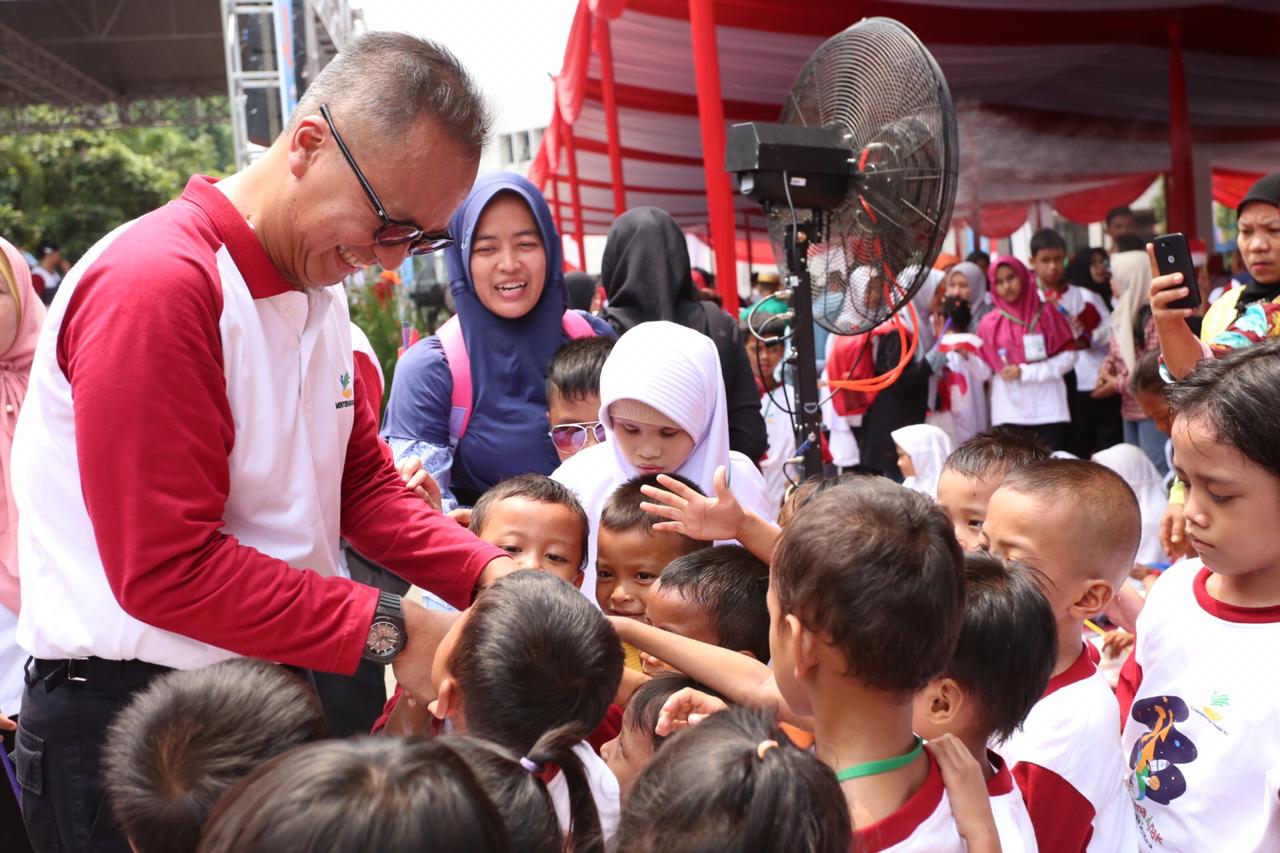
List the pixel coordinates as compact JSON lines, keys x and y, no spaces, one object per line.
{"x":191,"y":735}
{"x":1095,"y":423}
{"x":630,"y":554}
{"x":715,"y":595}
{"x":974,"y":470}
{"x":573,"y":394}
{"x":1078,"y":524}
{"x":1002,"y":662}
{"x":536,"y":520}
{"x":633,"y":748}
{"x":1120,"y":222}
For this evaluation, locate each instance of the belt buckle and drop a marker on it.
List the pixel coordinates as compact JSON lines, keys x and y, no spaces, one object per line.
{"x":73,"y":671}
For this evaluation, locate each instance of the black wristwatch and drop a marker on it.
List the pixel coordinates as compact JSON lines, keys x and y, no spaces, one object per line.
{"x":386,"y":634}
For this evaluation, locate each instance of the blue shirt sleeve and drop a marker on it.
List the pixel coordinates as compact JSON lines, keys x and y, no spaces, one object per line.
{"x":421,"y":396}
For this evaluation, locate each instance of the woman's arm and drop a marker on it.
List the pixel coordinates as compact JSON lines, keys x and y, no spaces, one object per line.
{"x":1179,"y":346}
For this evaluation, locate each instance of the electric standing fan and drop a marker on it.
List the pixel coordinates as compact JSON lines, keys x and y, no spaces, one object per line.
{"x":857,"y":181}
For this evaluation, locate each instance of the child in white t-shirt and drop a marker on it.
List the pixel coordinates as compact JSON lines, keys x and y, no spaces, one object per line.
{"x":1200,"y":708}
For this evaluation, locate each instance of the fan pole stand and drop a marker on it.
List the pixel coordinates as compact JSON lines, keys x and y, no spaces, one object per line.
{"x":808,"y":413}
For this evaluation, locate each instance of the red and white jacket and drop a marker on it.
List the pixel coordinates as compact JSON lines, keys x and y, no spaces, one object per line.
{"x":1066,"y":759}
{"x":190,"y":451}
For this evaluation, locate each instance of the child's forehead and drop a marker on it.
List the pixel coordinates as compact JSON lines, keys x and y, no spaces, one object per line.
{"x":521,"y":510}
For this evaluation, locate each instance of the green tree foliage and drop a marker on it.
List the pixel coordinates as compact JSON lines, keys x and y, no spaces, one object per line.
{"x":72,"y":188}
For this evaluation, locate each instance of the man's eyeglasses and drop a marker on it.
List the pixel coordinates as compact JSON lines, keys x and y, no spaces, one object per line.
{"x":573,"y":437}
{"x":393,"y":232}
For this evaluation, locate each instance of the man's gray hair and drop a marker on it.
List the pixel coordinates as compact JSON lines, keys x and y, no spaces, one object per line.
{"x":386,"y":81}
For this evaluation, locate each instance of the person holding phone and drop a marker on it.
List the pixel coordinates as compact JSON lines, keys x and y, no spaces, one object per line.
{"x":1242,"y":316}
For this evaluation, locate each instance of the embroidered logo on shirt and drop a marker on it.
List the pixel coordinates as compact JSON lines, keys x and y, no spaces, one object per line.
{"x":1215,"y":710}
{"x":344,"y":384}
{"x":1157,"y":753}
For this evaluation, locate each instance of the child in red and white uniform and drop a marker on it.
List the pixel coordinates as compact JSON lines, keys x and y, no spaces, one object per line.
{"x":1001,"y":664}
{"x":1078,"y":524}
{"x":1200,"y":709}
{"x":962,"y":391}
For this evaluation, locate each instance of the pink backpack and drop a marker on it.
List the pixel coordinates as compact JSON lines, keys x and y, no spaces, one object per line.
{"x":455,"y":352}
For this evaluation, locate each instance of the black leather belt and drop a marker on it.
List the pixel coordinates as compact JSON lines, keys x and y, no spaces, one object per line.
{"x":94,"y":672}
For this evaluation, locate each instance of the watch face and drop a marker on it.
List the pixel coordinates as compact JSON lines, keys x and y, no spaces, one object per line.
{"x":384,"y":638}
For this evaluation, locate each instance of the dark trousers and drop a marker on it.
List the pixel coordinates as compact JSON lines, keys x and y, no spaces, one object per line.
{"x":1095,"y":424}
{"x":13,"y":834}
{"x":61,"y":732}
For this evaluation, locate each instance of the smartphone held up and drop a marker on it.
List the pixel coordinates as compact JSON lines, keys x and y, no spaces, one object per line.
{"x":1173,"y":255}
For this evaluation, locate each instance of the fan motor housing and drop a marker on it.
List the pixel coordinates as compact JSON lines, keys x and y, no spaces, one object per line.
{"x":816,"y":162}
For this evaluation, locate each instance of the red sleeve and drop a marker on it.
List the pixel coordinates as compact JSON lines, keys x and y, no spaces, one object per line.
{"x":1089,"y":318}
{"x":141,"y":348}
{"x":1127,"y":688}
{"x":608,"y":729}
{"x":381,"y":723}
{"x":394,"y":527}
{"x":367,"y":374}
{"x":1060,"y":815}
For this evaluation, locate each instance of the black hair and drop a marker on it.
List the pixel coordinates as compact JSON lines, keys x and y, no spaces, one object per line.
{"x":766,"y":325}
{"x":875,"y":569}
{"x":730,"y":584}
{"x":1130,"y":243}
{"x":1146,"y":378}
{"x":387,"y":80}
{"x":394,"y":795}
{"x":534,"y":654}
{"x":1117,"y":212}
{"x":799,"y":494}
{"x":646,"y":702}
{"x":622,"y":512}
{"x":722,"y":786}
{"x":521,"y":796}
{"x":1008,"y":644}
{"x":1103,"y":508}
{"x":1046,"y":238}
{"x":192,"y":734}
{"x":1237,"y":397}
{"x":534,"y":487}
{"x":574,"y":371}
{"x":978,"y":257}
{"x":997,"y":451}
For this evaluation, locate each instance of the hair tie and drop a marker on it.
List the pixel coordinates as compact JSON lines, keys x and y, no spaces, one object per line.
{"x":529,"y":765}
{"x":765,"y":746}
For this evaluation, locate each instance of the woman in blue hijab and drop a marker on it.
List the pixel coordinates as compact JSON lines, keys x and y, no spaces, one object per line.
{"x":506,"y":276}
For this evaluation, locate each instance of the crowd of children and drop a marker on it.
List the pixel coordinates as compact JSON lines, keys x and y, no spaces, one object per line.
{"x":696,"y":653}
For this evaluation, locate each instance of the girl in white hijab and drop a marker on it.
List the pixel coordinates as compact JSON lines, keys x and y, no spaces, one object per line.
{"x":922,"y":450}
{"x":662,"y":404}
{"x":1136,"y":469}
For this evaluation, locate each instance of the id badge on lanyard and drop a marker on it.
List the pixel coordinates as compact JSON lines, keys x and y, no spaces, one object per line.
{"x":1033,"y":348}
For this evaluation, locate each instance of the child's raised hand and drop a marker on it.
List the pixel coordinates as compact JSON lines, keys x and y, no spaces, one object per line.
{"x":967,"y":792}
{"x":419,"y":481}
{"x":685,"y":708}
{"x":692,"y":514}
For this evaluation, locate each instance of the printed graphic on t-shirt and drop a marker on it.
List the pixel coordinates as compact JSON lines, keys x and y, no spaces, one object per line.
{"x":1157,"y":753}
{"x":344,"y":385}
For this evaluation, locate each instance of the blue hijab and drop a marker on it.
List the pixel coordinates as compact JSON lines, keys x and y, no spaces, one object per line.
{"x":509,"y":358}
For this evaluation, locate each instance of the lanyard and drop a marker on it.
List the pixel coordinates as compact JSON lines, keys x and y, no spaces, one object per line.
{"x":885,"y":765}
{"x":1030,"y":327}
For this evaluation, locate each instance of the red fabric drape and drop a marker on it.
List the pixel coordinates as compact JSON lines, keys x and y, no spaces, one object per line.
{"x":999,"y":220}
{"x":1091,"y":205}
{"x":605,"y":52}
{"x":575,"y":195}
{"x":1229,"y":186}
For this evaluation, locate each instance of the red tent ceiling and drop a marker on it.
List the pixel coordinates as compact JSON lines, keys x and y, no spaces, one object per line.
{"x":1066,"y":100}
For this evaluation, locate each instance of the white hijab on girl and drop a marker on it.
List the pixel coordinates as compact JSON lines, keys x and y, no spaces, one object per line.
{"x":676,"y":371}
{"x":928,"y":446}
{"x":1147,"y":484}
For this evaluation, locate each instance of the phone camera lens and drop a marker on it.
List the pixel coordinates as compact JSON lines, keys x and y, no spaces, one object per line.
{"x":1171,"y":259}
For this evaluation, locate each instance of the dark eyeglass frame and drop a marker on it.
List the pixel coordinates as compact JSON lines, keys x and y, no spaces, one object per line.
{"x":392,"y":232}
{"x":575,"y":430}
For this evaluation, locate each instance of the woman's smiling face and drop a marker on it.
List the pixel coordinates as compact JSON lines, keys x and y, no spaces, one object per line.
{"x":508,"y":260}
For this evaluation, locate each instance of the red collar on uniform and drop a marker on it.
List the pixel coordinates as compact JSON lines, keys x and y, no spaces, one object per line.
{"x":259,"y":273}
{"x":1001,"y":783}
{"x":1084,"y":667}
{"x":1231,"y":612}
{"x":899,"y":826}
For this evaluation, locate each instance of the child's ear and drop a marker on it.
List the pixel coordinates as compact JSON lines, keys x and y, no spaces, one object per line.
{"x":945,"y":701}
{"x":1094,"y":596}
{"x":449,"y":701}
{"x":804,"y":646}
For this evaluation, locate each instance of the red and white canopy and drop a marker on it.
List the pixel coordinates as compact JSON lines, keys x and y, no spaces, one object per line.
{"x":1080,"y":102}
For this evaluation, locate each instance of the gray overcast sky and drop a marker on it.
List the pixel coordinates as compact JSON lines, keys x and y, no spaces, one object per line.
{"x":511,"y":46}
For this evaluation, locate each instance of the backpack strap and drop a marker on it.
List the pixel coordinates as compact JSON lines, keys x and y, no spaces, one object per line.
{"x":455,"y":353}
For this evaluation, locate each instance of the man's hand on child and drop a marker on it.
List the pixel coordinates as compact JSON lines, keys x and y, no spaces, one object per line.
{"x":686,"y":708}
{"x":967,"y":792}
{"x":424,"y":629}
{"x":692,"y":514}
